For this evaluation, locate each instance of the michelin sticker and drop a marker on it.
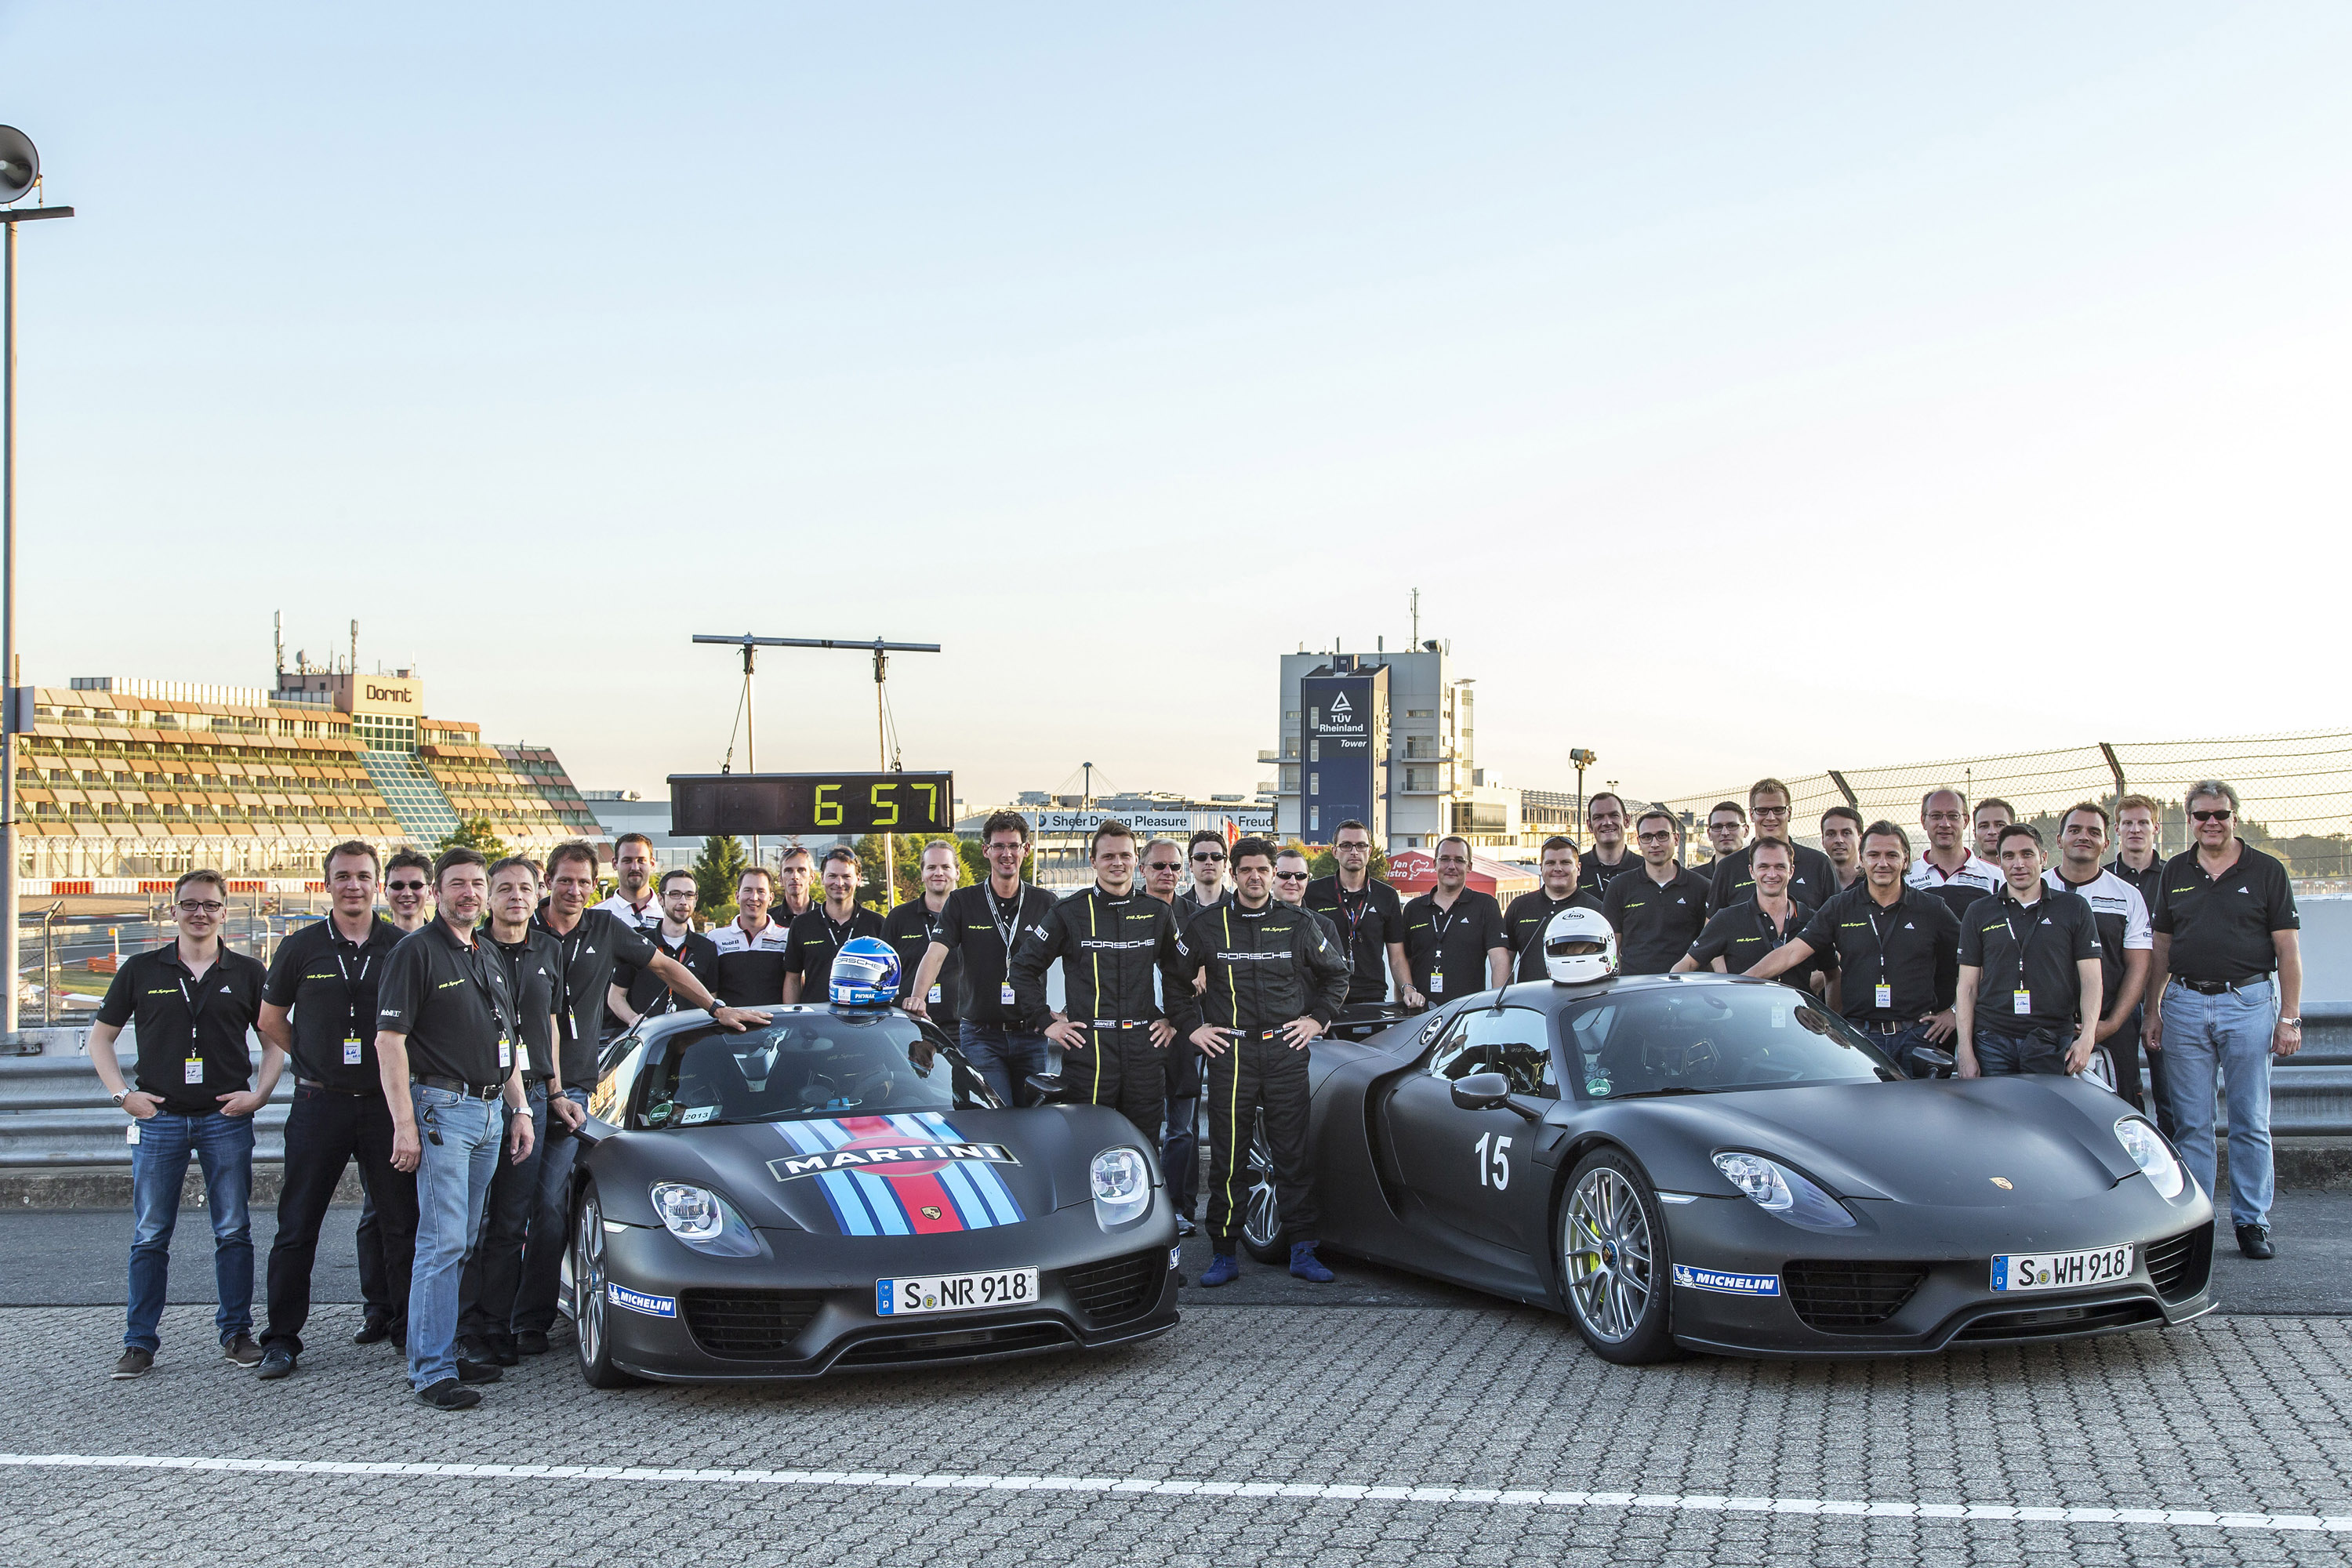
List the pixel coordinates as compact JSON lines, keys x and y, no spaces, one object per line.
{"x":637,"y":1301}
{"x":1727,"y":1284}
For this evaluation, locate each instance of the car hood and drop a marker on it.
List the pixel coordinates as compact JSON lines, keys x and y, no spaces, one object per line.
{"x":1936,"y":1141}
{"x":916,"y":1172}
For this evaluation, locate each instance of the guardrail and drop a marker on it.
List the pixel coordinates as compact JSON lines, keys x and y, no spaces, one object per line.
{"x":53,"y":1115}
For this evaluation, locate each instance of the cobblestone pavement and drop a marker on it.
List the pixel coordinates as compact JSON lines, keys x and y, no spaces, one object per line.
{"x":2227,"y":1416}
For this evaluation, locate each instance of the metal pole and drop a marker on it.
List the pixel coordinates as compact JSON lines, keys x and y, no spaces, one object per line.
{"x":882,"y":750}
{"x":750,"y":732}
{"x":8,"y":629}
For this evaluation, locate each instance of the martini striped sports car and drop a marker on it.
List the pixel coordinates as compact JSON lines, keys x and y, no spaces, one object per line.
{"x":839,"y":1190}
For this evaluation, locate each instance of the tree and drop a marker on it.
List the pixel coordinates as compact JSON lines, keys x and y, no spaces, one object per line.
{"x":475,"y":833}
{"x":717,"y":870}
{"x":1323,"y":863}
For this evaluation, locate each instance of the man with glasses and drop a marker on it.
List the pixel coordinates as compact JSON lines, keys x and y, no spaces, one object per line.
{"x":2139,"y":862}
{"x":408,"y":898}
{"x":193,"y":1001}
{"x":1369,"y":916}
{"x":1526,"y":921}
{"x":637,"y":990}
{"x":913,"y":926}
{"x":2225,"y":922}
{"x":817,"y":936}
{"x":317,"y":1008}
{"x":1290,"y":878}
{"x":1727,"y":830}
{"x":1842,"y":848}
{"x":1454,"y":936}
{"x":1611,"y":855}
{"x":1180,"y":1138}
{"x":979,"y":926}
{"x":1808,"y":882}
{"x":1207,"y":853}
{"x":1948,"y":868}
{"x":752,"y":946}
{"x":2126,"y":941}
{"x":408,"y":889}
{"x":1658,"y":913}
{"x":1163,"y":868}
{"x":446,"y":1034}
{"x":1116,"y":1026}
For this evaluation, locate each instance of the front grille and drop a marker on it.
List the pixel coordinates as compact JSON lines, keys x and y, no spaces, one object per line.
{"x":1113,"y":1292}
{"x":903,"y":1349}
{"x":747,"y":1325}
{"x":2179,"y":1265}
{"x":2039,"y":1322}
{"x":1850,"y":1297}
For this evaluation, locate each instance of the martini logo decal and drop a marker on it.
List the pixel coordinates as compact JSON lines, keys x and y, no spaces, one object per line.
{"x":909,"y":1174}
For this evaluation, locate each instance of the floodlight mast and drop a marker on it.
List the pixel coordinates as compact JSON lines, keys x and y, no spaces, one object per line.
{"x":881,"y":649}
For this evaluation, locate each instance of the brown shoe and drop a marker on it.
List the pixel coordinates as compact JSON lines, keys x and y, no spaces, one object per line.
{"x":135,"y":1363}
{"x":242,"y":1351}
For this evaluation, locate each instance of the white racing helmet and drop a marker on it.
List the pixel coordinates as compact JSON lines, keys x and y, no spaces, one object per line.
{"x":1579,"y":946}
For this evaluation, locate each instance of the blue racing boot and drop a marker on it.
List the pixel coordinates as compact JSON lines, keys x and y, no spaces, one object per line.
{"x":1306,"y":1266}
{"x":1223,"y":1270}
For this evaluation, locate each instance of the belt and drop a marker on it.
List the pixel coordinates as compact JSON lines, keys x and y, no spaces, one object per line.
{"x":1885,"y":1029}
{"x":1117,"y":1024}
{"x":459,"y":1086}
{"x":2215,"y":987}
{"x":330,"y":1088}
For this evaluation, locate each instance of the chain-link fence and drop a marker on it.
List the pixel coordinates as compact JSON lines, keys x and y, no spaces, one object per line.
{"x":2295,"y":793}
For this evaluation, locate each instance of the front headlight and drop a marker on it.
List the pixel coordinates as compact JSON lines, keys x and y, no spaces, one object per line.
{"x":1772,"y":1186}
{"x":690,"y":1214}
{"x":2145,"y":1146}
{"x":1121,"y":1180}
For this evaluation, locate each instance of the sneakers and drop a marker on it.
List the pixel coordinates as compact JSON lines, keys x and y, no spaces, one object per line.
{"x":449,"y":1394}
{"x":1223,"y":1270}
{"x":277,"y":1362}
{"x":242,"y":1351}
{"x":476,"y":1372}
{"x":1184,"y":1226}
{"x":529,"y":1342}
{"x":373,"y":1331}
{"x":1305,"y":1266}
{"x":134,"y":1364}
{"x":2254,"y":1241}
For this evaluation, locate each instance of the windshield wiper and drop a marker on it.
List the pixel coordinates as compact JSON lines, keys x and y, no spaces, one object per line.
{"x":1646,"y":1093}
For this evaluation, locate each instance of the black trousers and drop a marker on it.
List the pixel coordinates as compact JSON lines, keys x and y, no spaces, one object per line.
{"x":1123,"y":1068}
{"x":1253,"y":1074}
{"x":493,"y":1273}
{"x":1180,"y":1139}
{"x":325,"y":1131}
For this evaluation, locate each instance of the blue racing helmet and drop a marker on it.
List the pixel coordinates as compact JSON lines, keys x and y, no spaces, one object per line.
{"x":865,"y":973}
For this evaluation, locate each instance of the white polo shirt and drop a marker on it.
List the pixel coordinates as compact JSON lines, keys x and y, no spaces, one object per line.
{"x":1976,"y":878}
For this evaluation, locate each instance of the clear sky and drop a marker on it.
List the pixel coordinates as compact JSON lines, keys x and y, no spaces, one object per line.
{"x":1745,"y":388}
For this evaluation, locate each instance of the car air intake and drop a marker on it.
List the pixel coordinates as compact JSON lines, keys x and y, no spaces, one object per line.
{"x":1124,"y":1287}
{"x":954,"y":1344}
{"x":1840,"y":1297}
{"x":2179,"y":1265}
{"x":747,"y":1325}
{"x":2043,"y":1323}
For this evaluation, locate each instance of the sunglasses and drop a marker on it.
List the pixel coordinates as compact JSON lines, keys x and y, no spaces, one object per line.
{"x":1206,"y":855}
{"x":405,"y":887}
{"x":2222,"y":816}
{"x":1163,"y":865}
{"x":1291,"y":876}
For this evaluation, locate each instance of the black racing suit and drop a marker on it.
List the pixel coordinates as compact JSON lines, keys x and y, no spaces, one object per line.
{"x":1109,"y":947}
{"x":1265,"y":967}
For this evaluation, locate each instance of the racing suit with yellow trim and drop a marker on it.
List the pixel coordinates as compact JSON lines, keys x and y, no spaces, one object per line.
{"x":1265,"y":967}
{"x":1109,"y":947}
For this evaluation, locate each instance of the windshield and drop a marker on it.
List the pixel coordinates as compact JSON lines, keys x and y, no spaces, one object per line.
{"x":843,"y":1062}
{"x":1706,"y":1039}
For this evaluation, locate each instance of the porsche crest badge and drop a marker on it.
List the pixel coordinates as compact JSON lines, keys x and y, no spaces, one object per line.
{"x":931,"y":1211}
{"x":2004,"y":1184}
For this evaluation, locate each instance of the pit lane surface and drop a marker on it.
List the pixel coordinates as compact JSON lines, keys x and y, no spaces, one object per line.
{"x":1399,"y":1423}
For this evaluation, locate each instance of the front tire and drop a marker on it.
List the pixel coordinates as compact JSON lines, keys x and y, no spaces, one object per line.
{"x":591,"y":1313}
{"x":1262,"y":1202}
{"x":1614,"y":1264}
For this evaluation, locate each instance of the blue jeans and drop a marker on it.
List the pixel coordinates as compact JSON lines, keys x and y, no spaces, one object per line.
{"x":1899,"y":1047}
{"x":1005,"y":1058}
{"x":2229,"y":1034}
{"x":550,"y":1226}
{"x":453,"y":1178}
{"x":2000,"y":1053}
{"x":223,"y":1146}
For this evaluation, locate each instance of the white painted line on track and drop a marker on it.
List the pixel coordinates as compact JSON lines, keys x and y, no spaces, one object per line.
{"x":1471,"y":1497}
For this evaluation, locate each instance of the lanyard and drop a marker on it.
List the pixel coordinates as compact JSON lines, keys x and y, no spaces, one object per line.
{"x":1879,"y":936}
{"x":567,"y":1018}
{"x":1008,"y":926}
{"x":193,"y":998}
{"x":1779,"y":936}
{"x":502,"y":1006}
{"x":2033,"y":928}
{"x":335,"y":945}
{"x":1437,"y":926}
{"x":1354,"y":914}
{"x":668,"y":1003}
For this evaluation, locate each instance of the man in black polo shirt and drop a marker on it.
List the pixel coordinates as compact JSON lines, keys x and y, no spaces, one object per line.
{"x":981,"y":925}
{"x":2029,"y":972}
{"x":1897,"y":950}
{"x":1841,"y":833}
{"x":914,"y":924}
{"x":1367,"y":915}
{"x":318,"y":1006}
{"x":1810,"y":879}
{"x":1611,"y":855}
{"x":639,"y":990}
{"x":446,"y":1040}
{"x":193,"y":1001}
{"x":408,"y":901}
{"x":1659,"y":911}
{"x":817,"y":936}
{"x":1525,"y":922}
{"x":1453,"y":937}
{"x":493,"y":1270}
{"x":2226,"y":919}
{"x":1738,"y":938}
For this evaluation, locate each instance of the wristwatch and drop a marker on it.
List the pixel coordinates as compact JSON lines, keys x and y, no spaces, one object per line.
{"x":2291,"y":1023}
{"x":121,"y":1097}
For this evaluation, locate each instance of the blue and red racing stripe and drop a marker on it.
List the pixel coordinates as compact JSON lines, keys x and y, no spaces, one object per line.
{"x":928,"y":1199}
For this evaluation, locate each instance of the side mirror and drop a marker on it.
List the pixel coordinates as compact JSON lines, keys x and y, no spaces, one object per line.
{"x":1928,"y":1062}
{"x":1482,"y":1091}
{"x":1046,"y":1087}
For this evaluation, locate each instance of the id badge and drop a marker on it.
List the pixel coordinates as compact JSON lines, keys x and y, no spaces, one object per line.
{"x":934,"y":998}
{"x":2021,"y":1003}
{"x":1003,"y":993}
{"x":506,"y":1053}
{"x":1885,"y":995}
{"x":192,"y":1070}
{"x":352,"y":1051}
{"x":1436,"y":981}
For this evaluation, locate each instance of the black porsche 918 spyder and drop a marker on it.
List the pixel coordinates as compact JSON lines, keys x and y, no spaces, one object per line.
{"x":1719,"y":1163}
{"x":839,"y":1190}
